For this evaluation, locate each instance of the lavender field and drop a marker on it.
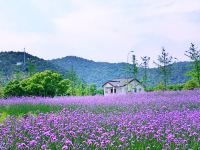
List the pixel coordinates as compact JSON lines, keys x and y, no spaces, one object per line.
{"x":157,"y":120}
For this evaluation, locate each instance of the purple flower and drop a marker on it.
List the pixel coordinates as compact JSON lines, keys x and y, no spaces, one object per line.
{"x":43,"y":147}
{"x":68,"y":142}
{"x":21,"y":145}
{"x":123,"y":139}
{"x":89,"y":141}
{"x":65,"y":147}
{"x":33,"y":142}
{"x":170,"y":137}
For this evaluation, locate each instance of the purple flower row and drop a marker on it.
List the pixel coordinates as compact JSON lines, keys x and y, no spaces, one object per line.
{"x":79,"y":130}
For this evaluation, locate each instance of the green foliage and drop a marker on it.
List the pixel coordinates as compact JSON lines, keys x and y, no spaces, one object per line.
{"x":75,"y":81}
{"x":13,"y":88}
{"x":194,"y":55}
{"x":40,"y":84}
{"x":164,"y":63}
{"x":161,"y":86}
{"x":191,"y":84}
{"x":31,"y":88}
{"x":9,"y":64}
{"x":100,"y":72}
{"x":100,"y":91}
{"x":19,"y":75}
{"x":63,"y":88}
{"x":87,"y":70}
{"x":48,"y":83}
{"x":93,"y":89}
{"x":22,"y":109}
{"x":48,"y":80}
{"x":145,"y":66}
{"x":1,"y":91}
{"x":31,"y":68}
{"x":175,"y":87}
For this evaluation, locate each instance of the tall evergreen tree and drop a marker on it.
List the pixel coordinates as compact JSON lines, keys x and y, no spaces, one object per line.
{"x":145,"y":66}
{"x":132,"y":69}
{"x":73,"y":77}
{"x":135,"y":67}
{"x":164,"y":64}
{"x":194,"y":55}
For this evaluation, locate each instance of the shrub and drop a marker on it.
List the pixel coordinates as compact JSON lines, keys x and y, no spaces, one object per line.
{"x":191,"y":84}
{"x":13,"y":88}
{"x":63,"y":88}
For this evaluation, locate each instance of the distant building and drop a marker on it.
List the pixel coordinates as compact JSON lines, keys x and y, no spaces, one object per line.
{"x":19,"y":63}
{"x":123,"y":86}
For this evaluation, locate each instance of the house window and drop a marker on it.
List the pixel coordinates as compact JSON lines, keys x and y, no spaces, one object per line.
{"x":115,"y":91}
{"x":135,"y":90}
{"x":111,"y":91}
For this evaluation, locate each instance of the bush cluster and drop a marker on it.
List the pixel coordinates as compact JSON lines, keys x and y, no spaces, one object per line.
{"x":47,"y":83}
{"x":189,"y":85}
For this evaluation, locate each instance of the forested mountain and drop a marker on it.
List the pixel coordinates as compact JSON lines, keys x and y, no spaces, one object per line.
{"x":12,"y":62}
{"x":100,"y":72}
{"x":89,"y":71}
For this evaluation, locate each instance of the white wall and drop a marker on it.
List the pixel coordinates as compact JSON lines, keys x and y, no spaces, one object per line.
{"x":123,"y":90}
{"x":107,"y":89}
{"x":135,"y":85}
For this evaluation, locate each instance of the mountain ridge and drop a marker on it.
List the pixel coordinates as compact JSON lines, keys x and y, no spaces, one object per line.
{"x":89,"y":71}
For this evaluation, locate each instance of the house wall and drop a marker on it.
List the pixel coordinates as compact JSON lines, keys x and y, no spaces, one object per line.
{"x":123,"y":90}
{"x":118,"y":90}
{"x":107,"y":89}
{"x":133,"y":87}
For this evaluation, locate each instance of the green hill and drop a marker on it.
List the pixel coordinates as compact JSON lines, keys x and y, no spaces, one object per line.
{"x":100,"y":72}
{"x":11,"y":62}
{"x":88,"y":70}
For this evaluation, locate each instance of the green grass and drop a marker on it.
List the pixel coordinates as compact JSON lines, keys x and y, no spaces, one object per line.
{"x":21,"y":109}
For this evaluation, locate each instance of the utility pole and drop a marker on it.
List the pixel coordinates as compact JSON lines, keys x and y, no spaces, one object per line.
{"x":128,"y":68}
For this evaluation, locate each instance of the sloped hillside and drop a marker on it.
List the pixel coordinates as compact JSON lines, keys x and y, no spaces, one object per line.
{"x":10,"y":62}
{"x":100,"y":72}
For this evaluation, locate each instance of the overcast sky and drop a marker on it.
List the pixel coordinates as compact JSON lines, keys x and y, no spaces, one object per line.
{"x":101,"y":30}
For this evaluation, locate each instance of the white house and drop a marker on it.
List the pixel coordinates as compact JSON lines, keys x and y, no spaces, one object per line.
{"x":123,"y":86}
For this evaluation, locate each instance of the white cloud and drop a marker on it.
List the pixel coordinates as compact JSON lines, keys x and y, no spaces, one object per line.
{"x":105,"y":30}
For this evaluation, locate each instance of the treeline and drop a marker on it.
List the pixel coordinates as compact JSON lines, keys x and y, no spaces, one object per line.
{"x":165,"y":63}
{"x":189,"y":85}
{"x":48,"y":83}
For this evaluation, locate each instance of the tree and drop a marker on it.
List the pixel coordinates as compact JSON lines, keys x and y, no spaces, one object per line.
{"x":48,"y":80}
{"x":1,"y":91}
{"x":164,"y":64}
{"x":81,"y":89}
{"x":63,"y":88}
{"x":190,"y":85}
{"x":31,"y":68}
{"x":160,"y":86}
{"x":13,"y":88}
{"x":73,"y":77}
{"x":93,"y":89}
{"x":135,"y":67}
{"x":18,"y":74}
{"x":194,"y":55}
{"x":145,"y":66}
{"x":31,"y":88}
{"x":100,"y":91}
{"x":132,"y":69}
